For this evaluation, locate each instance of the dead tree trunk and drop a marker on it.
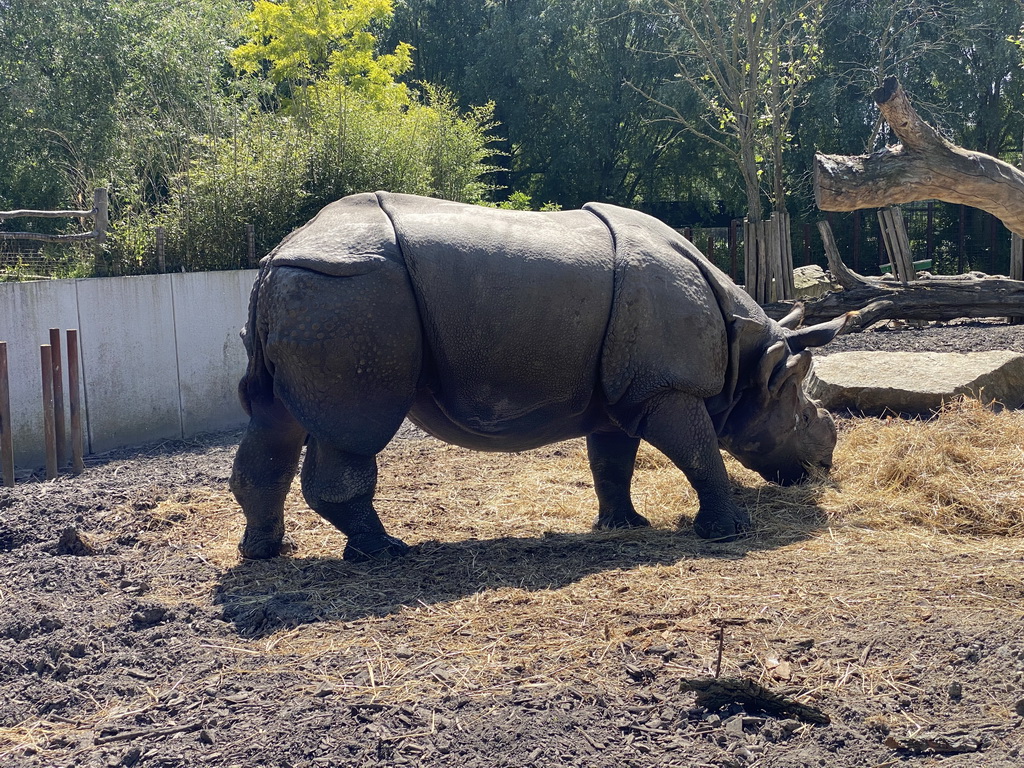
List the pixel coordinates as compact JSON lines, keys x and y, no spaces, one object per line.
{"x":924,"y":167}
{"x":936,"y":298}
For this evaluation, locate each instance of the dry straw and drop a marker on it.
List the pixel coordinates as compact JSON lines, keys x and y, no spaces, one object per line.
{"x":508,"y":590}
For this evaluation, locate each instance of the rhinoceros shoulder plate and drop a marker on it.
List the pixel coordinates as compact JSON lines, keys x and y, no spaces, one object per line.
{"x":349,"y":237}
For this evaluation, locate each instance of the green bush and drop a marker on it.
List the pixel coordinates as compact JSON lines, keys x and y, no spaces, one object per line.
{"x":275,"y":170}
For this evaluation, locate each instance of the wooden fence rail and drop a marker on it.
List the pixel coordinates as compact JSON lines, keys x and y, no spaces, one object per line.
{"x":100,"y":214}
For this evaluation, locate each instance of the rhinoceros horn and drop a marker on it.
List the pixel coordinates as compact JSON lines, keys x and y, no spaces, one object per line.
{"x":816,"y":335}
{"x":794,"y":318}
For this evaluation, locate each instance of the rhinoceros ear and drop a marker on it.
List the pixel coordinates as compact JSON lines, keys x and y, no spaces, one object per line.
{"x":770,"y":363}
{"x":817,"y":335}
{"x":795,"y":368}
{"x":794,"y":318}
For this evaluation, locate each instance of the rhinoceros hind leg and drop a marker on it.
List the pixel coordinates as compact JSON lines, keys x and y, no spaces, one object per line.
{"x":679,"y":426}
{"x":262,"y":474}
{"x":339,"y":486}
{"x":612,"y":458}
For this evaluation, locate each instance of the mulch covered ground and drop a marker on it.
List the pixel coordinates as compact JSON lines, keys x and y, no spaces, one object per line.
{"x":887,"y":599}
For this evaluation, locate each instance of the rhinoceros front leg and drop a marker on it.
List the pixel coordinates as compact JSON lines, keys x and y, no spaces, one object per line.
{"x":679,"y":426}
{"x":339,"y":486}
{"x":262,"y":474}
{"x":612,"y":458}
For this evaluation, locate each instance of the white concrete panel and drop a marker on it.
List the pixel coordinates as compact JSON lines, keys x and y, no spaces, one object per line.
{"x":210,"y":309}
{"x":129,"y":362}
{"x":27,"y":312}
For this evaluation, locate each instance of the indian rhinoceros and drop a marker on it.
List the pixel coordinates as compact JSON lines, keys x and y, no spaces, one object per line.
{"x":503,"y":331}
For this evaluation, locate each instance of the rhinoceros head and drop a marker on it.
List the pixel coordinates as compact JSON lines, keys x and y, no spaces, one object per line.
{"x":774,"y":428}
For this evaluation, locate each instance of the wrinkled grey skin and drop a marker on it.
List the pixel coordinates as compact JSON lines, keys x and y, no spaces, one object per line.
{"x":504,"y":331}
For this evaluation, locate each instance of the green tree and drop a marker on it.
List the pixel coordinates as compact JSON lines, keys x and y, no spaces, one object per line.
{"x":305,"y":43}
{"x":557,"y":71}
{"x":747,"y":63}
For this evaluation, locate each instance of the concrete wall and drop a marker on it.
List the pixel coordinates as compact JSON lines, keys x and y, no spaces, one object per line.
{"x":160,"y":355}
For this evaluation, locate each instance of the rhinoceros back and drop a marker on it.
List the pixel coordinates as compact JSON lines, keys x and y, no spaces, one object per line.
{"x":349,"y":237}
{"x":514,"y":306}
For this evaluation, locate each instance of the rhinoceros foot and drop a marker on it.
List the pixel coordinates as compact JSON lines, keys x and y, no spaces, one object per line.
{"x":630,"y":519}
{"x":373,"y":546}
{"x":727,"y":524}
{"x":253,"y":547}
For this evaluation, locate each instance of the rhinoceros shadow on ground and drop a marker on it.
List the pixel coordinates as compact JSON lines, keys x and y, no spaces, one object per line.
{"x":260,"y":597}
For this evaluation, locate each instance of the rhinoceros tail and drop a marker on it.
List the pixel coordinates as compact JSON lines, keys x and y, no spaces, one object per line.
{"x":258,"y":381}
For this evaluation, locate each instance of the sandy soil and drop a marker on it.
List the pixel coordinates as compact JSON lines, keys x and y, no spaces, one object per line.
{"x":131,"y":634}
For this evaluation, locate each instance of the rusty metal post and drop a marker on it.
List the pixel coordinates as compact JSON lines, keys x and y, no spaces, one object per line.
{"x":46,"y":365}
{"x":59,"y":432}
{"x":6,"y":434}
{"x":75,"y":400}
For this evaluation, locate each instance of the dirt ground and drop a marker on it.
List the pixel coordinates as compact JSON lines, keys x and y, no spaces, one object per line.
{"x":132,"y":635}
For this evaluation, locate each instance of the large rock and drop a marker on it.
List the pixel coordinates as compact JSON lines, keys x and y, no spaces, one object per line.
{"x":811,"y":281}
{"x":915,"y":382}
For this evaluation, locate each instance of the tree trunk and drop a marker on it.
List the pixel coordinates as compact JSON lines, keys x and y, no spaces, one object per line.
{"x":924,"y":167}
{"x":935,"y":298}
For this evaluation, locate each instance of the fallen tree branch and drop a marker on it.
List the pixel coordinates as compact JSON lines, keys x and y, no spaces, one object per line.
{"x":934,"y":298}
{"x":925,"y":167}
{"x":718,"y":692}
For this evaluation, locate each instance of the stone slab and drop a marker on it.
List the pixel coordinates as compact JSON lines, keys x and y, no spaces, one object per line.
{"x":915,"y":382}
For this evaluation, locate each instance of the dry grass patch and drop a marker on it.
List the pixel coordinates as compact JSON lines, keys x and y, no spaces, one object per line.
{"x":961,"y":472}
{"x":508,"y":586}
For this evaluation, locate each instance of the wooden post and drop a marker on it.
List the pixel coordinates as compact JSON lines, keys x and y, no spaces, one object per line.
{"x":1016,"y":268}
{"x":897,"y":244}
{"x":856,"y":240}
{"x":101,"y":214}
{"x":161,"y":243}
{"x":904,"y":240}
{"x":59,"y":432}
{"x":46,"y":366}
{"x":764,"y":269}
{"x":250,"y":244}
{"x":961,"y":257}
{"x":6,"y":434}
{"x":688,"y":233}
{"x":788,"y":288}
{"x":930,"y":233}
{"x":734,"y":250}
{"x":75,"y":399}
{"x":752,"y":248}
{"x":711,"y":247}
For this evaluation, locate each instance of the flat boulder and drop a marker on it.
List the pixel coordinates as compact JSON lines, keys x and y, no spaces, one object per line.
{"x":915,"y":382}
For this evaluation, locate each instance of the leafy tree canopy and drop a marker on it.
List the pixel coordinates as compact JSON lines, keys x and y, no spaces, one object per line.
{"x":306,"y":42}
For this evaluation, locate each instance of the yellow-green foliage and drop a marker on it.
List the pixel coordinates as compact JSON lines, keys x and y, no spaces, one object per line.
{"x":328,"y":119}
{"x":312,"y":42}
